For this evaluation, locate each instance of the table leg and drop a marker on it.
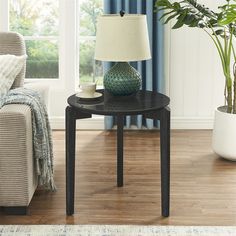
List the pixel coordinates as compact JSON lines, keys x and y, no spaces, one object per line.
{"x":70,"y":160}
{"x":120,"y":126}
{"x":165,"y":161}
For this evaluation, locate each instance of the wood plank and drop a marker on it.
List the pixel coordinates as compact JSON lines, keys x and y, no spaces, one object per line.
{"x":203,"y":186}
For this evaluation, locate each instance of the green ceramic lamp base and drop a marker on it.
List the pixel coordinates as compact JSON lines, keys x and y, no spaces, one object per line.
{"x":122,"y":79}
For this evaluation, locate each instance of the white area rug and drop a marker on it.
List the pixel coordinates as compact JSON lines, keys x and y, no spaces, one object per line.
{"x":116,"y":230}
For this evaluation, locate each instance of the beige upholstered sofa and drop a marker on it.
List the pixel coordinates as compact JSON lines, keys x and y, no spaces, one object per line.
{"x":17,"y":176}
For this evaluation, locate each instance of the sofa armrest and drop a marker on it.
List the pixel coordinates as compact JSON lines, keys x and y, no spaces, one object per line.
{"x":18,"y":181}
{"x":42,"y":89}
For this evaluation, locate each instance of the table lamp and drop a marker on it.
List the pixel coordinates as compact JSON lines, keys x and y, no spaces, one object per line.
{"x":122,"y":38}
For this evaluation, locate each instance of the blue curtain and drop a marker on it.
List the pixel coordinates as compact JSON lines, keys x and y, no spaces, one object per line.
{"x":152,"y":71}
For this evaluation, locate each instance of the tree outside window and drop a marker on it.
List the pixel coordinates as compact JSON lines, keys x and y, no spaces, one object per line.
{"x":90,"y":70}
{"x":37,"y":21}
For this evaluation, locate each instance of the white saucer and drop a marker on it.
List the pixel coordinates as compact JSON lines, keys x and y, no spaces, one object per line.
{"x":85,"y":96}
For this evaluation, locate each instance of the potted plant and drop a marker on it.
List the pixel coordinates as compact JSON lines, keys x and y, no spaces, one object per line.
{"x":221,"y":28}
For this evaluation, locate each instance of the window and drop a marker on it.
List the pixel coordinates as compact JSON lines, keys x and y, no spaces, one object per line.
{"x":38,"y":22}
{"x":51,"y":32}
{"x":89,"y":69}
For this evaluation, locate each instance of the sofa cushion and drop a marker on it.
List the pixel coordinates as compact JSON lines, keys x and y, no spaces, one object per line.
{"x":10,"y":67}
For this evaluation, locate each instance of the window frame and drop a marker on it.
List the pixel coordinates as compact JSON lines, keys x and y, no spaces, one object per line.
{"x":83,"y":38}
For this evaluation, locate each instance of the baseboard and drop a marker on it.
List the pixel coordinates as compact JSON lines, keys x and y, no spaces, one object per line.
{"x":192,"y":123}
{"x":97,"y":123}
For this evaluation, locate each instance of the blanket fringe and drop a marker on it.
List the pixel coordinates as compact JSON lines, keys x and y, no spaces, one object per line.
{"x":42,"y":140}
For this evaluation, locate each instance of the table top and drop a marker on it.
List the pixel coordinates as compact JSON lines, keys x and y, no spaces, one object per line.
{"x":139,"y":103}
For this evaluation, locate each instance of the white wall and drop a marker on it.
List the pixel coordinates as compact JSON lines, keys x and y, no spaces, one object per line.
{"x":3,"y":15}
{"x":196,"y":81}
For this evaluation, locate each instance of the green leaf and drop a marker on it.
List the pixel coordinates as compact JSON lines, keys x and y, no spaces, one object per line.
{"x":161,"y":9}
{"x":162,"y":3}
{"x":213,"y":23}
{"x":194,"y":24}
{"x":226,"y":21}
{"x":176,"y":6}
{"x":166,"y":14}
{"x":179,"y":22}
{"x":224,"y":7}
{"x":170,"y":17}
{"x":219,"y":32}
{"x":189,"y":19}
{"x":202,"y":24}
{"x":178,"y":25}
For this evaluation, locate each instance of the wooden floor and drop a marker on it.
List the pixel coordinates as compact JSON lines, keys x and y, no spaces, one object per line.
{"x":203,"y":186}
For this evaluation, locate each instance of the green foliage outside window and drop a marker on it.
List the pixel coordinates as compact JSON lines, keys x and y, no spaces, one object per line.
{"x":89,"y":11}
{"x":43,"y":59}
{"x":90,"y":70}
{"x":28,"y":19}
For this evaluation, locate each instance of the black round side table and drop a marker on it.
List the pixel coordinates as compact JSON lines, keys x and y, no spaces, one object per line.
{"x":152,"y":105}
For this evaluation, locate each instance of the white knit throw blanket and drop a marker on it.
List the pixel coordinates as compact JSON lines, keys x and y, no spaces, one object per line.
{"x":42,"y":139}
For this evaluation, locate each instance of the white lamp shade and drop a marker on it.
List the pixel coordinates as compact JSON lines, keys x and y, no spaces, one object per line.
{"x":122,"y":39}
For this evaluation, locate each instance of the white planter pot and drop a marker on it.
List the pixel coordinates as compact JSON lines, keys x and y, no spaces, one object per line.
{"x":224,"y":134}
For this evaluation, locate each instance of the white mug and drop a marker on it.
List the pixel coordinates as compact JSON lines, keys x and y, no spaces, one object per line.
{"x":88,"y":89}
